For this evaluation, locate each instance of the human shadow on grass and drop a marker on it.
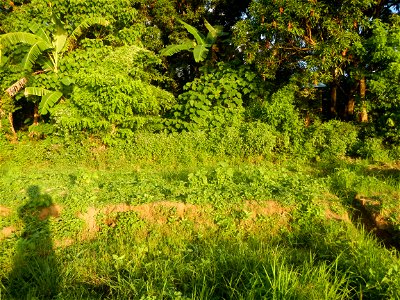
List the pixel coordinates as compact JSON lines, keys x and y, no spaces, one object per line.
{"x":35,"y":273}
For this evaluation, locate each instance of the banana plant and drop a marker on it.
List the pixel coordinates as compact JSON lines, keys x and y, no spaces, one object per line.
{"x":46,"y":50}
{"x":200,"y":46}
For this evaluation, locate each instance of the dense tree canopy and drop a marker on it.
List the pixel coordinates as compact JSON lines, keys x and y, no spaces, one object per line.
{"x":341,"y":59}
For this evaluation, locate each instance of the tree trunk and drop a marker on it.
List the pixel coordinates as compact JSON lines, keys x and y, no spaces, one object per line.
{"x":11,"y":120}
{"x":333,"y":101}
{"x":36,"y":114}
{"x":307,"y":120}
{"x":16,"y":87}
{"x":351,"y":102}
{"x":363,"y":91}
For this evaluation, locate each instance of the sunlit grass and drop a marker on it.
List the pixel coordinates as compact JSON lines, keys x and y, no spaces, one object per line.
{"x":123,"y":227}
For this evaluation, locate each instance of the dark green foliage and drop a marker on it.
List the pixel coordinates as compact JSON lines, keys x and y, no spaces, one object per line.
{"x":113,"y":94}
{"x":382,"y":50}
{"x":330,"y":140}
{"x":215,"y":99}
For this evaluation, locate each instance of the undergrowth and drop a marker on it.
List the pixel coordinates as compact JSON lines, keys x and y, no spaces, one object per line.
{"x":173,"y":218}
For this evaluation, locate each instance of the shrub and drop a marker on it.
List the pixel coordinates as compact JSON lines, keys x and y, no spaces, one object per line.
{"x":333,"y":139}
{"x":258,"y":139}
{"x":215,"y":99}
{"x":372,"y":148}
{"x":281,"y":114}
{"x":115,"y":93}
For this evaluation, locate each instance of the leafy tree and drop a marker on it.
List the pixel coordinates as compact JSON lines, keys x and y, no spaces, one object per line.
{"x":200,"y":46}
{"x":46,"y":51}
{"x":312,"y":42}
{"x":161,"y":14}
{"x":381,"y":51}
{"x":116,"y":93}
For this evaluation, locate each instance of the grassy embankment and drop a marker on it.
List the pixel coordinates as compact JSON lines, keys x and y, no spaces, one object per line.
{"x":86,"y":222}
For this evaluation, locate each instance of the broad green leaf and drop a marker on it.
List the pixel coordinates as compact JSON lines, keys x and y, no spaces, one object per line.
{"x":197,"y":35}
{"x":13,"y":38}
{"x":60,"y":35}
{"x":40,"y":32}
{"x":67,"y":81}
{"x":173,"y":49}
{"x":33,"y":54}
{"x":200,"y":53}
{"x":47,"y":65}
{"x":213,"y":32}
{"x":81,"y":28}
{"x":35,"y":91}
{"x":48,"y":101}
{"x":3,"y":59}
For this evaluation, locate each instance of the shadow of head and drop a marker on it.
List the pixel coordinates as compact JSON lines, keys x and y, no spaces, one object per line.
{"x":35,"y":204}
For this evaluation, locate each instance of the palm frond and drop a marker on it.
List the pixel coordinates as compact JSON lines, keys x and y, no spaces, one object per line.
{"x":79,"y":30}
{"x":13,"y":38}
{"x":3,"y":59}
{"x":40,"y":32}
{"x":60,"y":35}
{"x":33,"y":54}
{"x":47,"y":64}
{"x":49,"y":98}
{"x":200,"y":52}
{"x":35,"y":91}
{"x":200,"y":39}
{"x":214,"y":32}
{"x":48,"y":101}
{"x":173,"y":49}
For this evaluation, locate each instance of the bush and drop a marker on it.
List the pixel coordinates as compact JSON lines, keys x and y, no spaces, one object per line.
{"x":215,"y":99}
{"x":258,"y":139}
{"x":333,"y":139}
{"x":115,"y":94}
{"x":372,"y":148}
{"x":281,"y":114}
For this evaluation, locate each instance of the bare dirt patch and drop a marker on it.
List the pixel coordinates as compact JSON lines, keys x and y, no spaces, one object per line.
{"x":277,"y":216}
{"x":333,"y":209}
{"x":331,"y":215}
{"x":91,"y":228}
{"x":50,"y":211}
{"x":265,"y":208}
{"x":159,"y":212}
{"x":4,"y":211}
{"x":167,"y":213}
{"x":63,"y":243}
{"x":7,"y":232}
{"x":368,"y":211}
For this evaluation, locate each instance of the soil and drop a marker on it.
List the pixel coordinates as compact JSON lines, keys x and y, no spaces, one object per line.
{"x":368,"y":212}
{"x":91,"y":227}
{"x":51,"y":211}
{"x":330,"y":215}
{"x":159,"y":212}
{"x":4,"y":211}
{"x":63,"y":243}
{"x":7,"y":232}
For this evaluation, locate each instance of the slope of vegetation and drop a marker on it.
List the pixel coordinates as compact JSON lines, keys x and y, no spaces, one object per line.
{"x":86,"y":221}
{"x":199,"y":149}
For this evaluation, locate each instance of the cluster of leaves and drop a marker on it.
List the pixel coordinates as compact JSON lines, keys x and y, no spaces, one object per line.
{"x":384,"y":81}
{"x":215,"y":99}
{"x":201,"y":46}
{"x":113,"y":93}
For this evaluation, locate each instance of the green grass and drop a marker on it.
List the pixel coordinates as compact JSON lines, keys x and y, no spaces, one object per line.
{"x":188,"y":224}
